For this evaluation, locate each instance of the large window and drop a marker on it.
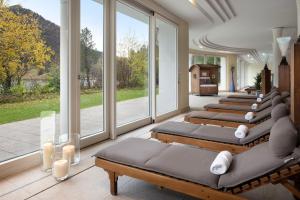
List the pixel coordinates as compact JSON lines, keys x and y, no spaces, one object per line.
{"x":166,"y":67}
{"x":132,"y":64}
{"x":197,"y":59}
{"x":91,"y":67}
{"x":40,"y":72}
{"x":33,"y":58}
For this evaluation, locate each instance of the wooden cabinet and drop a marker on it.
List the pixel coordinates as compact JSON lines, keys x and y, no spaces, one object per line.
{"x":205,"y":79}
{"x":266,"y":80}
{"x":284,"y":82}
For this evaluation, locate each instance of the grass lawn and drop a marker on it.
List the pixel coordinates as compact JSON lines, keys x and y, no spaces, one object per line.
{"x":11,"y":112}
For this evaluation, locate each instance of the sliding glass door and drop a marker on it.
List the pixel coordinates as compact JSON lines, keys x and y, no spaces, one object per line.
{"x":132,"y":64}
{"x":91,"y":68}
{"x":165,"y":66}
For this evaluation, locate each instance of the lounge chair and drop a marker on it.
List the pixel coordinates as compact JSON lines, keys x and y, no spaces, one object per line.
{"x":250,"y":96}
{"x":243,"y":109}
{"x":249,"y":102}
{"x":230,"y":119}
{"x":186,"y":169}
{"x":217,"y":138}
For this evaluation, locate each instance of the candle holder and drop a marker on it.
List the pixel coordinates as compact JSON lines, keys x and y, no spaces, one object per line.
{"x":47,"y":135}
{"x":60,"y":166}
{"x":71,"y":149}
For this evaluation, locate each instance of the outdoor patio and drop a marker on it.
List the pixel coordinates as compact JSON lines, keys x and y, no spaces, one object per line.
{"x":23,"y":137}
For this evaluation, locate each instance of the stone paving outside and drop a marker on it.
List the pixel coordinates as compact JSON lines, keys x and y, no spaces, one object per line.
{"x":23,"y":137}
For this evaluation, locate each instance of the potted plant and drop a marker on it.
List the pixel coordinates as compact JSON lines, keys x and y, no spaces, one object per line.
{"x":257,"y":83}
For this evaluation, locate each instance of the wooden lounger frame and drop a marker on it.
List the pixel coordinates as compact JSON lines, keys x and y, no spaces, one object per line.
{"x":203,"y":121}
{"x":219,"y":110}
{"x":115,"y":170}
{"x":237,"y":103}
{"x":212,"y":145}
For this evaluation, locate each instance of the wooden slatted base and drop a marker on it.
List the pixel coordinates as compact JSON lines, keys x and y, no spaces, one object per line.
{"x":277,"y":177}
{"x":185,"y":187}
{"x":216,"y":146}
{"x":196,"y":190}
{"x":236,"y":103}
{"x":212,"y":145}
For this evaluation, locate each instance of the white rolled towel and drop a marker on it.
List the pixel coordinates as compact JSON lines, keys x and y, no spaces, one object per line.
{"x":249,"y":116}
{"x":221,"y":163}
{"x":261,"y":95}
{"x":241,"y":131}
{"x":258,"y":100}
{"x":254,"y":106}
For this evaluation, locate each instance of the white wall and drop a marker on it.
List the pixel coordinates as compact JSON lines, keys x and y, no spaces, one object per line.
{"x":251,"y":71}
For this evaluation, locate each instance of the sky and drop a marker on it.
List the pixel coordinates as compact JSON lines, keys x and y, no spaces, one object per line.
{"x":92,"y":18}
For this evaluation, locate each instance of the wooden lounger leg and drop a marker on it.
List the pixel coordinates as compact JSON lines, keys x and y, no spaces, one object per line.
{"x":291,"y":188}
{"x":113,"y":178}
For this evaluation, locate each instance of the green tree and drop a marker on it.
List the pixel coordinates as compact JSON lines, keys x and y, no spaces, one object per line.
{"x":89,"y":55}
{"x":138,"y":63}
{"x":21,"y":47}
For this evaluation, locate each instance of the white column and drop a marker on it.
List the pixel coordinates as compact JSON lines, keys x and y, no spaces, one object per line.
{"x":64,"y":67}
{"x":74,"y":66}
{"x":298,"y":17}
{"x":277,"y":32}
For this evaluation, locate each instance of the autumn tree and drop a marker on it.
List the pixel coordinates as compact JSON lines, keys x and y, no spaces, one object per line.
{"x":21,"y":47}
{"x":132,"y":62}
{"x":89,"y":55}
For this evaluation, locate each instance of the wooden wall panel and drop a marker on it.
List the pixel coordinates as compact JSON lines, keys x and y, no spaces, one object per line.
{"x":295,"y":84}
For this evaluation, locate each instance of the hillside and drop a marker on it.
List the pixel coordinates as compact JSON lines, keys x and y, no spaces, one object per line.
{"x":50,"y":31}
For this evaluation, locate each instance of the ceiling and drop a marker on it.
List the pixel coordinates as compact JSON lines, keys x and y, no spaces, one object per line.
{"x":236,"y":26}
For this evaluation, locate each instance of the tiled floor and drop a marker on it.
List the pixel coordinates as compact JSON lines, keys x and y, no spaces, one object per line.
{"x":89,"y":182}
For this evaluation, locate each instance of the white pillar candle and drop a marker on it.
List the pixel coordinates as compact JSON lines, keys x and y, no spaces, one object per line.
{"x":60,"y":168}
{"x":48,"y":151}
{"x":69,"y":153}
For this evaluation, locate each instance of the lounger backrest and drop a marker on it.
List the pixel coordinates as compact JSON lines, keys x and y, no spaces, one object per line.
{"x":263,"y":128}
{"x":275,"y":93}
{"x":283,"y":137}
{"x":276,"y":100}
{"x":264,"y":114}
{"x":285,"y":94}
{"x":264,"y":105}
{"x":262,"y":159}
{"x":279,"y":111}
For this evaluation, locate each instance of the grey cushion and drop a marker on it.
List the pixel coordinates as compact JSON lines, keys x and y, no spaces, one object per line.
{"x":250,"y":101}
{"x":202,"y":114}
{"x":279,"y":111}
{"x":283,"y":137}
{"x":285,"y":94}
{"x":178,"y":128}
{"x":133,"y":151}
{"x":215,"y":133}
{"x":276,"y":100}
{"x":229,"y":107}
{"x":250,"y":164}
{"x":230,"y":117}
{"x":186,"y":163}
{"x":182,"y":162}
{"x":258,"y":131}
{"x":264,"y":106}
{"x":275,"y":93}
{"x":212,"y":133}
{"x":242,"y":96}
